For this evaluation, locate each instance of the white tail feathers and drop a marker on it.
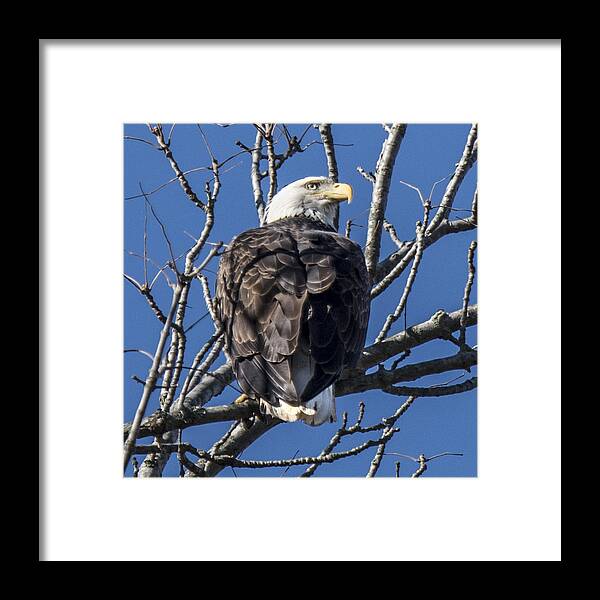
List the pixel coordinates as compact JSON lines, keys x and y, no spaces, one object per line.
{"x":319,"y":410}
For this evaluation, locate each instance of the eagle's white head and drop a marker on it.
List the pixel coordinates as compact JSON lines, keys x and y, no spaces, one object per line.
{"x":312,"y":197}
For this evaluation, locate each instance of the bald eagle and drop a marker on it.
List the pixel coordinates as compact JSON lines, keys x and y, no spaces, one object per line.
{"x":292,"y":298}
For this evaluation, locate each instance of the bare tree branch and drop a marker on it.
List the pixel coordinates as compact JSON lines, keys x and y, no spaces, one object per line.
{"x":224,"y":460}
{"x":327,"y":139}
{"x":332,"y":168}
{"x":422,"y":466}
{"x":346,"y":431}
{"x":386,"y":272}
{"x":210,"y":386}
{"x":391,"y":319}
{"x":438,"y":327}
{"x":467,"y":294}
{"x":145,"y":291}
{"x":152,"y":378}
{"x":383,"y":377}
{"x":367,"y":175}
{"x":390,"y":422}
{"x":239,"y":438}
{"x":162,"y":422}
{"x":175,"y":355}
{"x":381,"y":187}
{"x":392,"y":266}
{"x":392,"y":233}
{"x":433,"y":391}
{"x":335,"y":440}
{"x":421,"y":459}
{"x":256,"y":178}
{"x":269,"y":128}
{"x":467,"y":160}
{"x":157,"y":131}
{"x":198,"y":371}
{"x":264,"y":133}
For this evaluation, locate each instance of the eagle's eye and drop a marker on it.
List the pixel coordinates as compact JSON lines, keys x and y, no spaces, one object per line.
{"x":312,"y":185}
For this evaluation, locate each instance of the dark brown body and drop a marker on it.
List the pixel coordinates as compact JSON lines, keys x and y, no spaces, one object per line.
{"x":293,"y":300}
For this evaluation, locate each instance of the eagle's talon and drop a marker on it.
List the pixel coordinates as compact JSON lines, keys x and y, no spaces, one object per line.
{"x":241,"y":399}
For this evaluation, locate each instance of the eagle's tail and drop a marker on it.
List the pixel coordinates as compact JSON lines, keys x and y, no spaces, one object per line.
{"x":318,"y":410}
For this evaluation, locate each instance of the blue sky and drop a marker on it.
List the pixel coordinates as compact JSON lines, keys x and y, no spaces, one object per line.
{"x":428,"y":153}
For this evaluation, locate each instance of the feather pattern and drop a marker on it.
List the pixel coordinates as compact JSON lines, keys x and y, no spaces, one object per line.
{"x":293,"y":299}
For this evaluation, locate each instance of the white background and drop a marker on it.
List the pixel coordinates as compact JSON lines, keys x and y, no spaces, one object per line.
{"x":91,"y":513}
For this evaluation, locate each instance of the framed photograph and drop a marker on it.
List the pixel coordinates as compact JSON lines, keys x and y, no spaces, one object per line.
{"x":264,"y":262}
{"x":248,"y":329}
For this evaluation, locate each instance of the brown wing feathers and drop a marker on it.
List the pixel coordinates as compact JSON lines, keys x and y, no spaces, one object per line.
{"x":287,"y":287}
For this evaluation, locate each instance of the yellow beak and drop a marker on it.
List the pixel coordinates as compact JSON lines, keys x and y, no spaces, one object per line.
{"x":339,"y":192}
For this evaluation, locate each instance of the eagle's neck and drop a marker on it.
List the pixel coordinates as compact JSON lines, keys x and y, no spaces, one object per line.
{"x":325,"y":215}
{"x":303,"y":221}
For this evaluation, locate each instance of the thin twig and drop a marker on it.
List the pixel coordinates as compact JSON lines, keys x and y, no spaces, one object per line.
{"x":422,"y":466}
{"x":391,"y":267}
{"x":390,"y":422}
{"x":421,"y":459}
{"x":157,"y":131}
{"x":391,"y":319}
{"x":163,"y":229}
{"x":392,"y":233}
{"x":333,"y":442}
{"x":468,"y":158}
